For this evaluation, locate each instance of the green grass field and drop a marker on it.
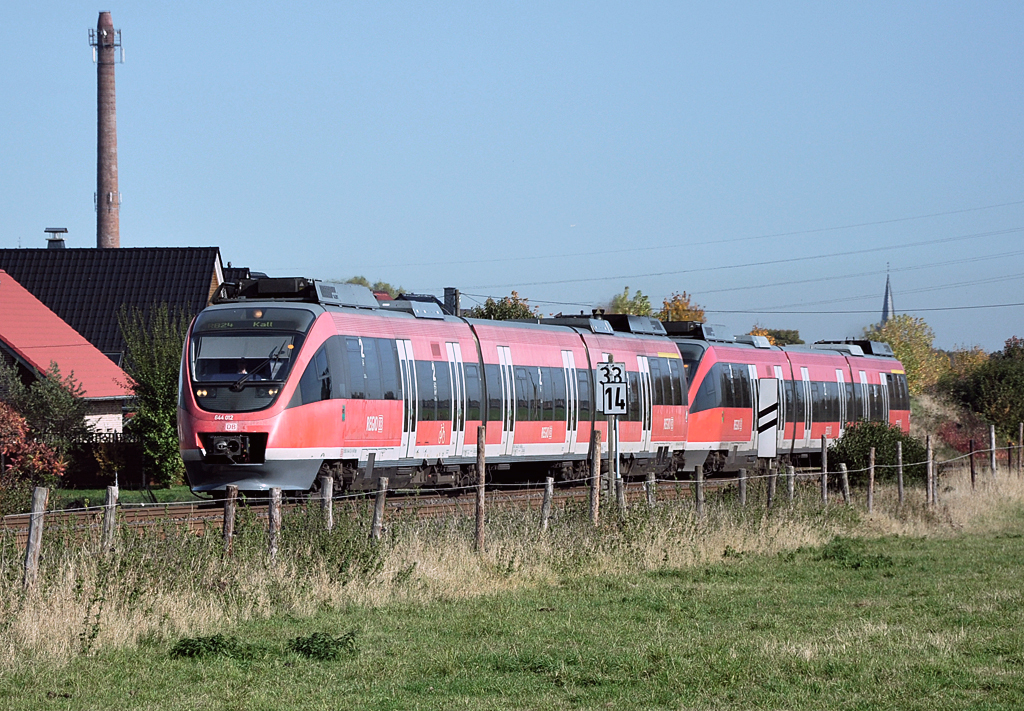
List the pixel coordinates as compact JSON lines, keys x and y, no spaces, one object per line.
{"x":890,"y":622}
{"x":80,"y":498}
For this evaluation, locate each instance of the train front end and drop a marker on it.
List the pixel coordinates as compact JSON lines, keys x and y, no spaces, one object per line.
{"x":234,"y":389}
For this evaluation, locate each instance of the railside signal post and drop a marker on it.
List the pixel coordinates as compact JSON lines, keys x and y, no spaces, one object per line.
{"x":612,"y":385}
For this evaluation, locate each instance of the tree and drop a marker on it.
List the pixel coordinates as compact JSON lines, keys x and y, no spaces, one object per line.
{"x":153,"y":360}
{"x":639,"y":305}
{"x":53,"y":406}
{"x":784,"y":337}
{"x":506,"y":308}
{"x":911,"y":341}
{"x":762,"y":331}
{"x":25,"y":463}
{"x":680,"y":307}
{"x":995,"y":388}
{"x":379,"y":286}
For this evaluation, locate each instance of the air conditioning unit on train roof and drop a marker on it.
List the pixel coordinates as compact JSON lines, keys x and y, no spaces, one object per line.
{"x":876,"y":348}
{"x":755,"y":341}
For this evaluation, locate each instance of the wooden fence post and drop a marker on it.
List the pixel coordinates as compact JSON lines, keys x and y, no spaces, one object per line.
{"x":899,"y":471}
{"x":545,"y":507}
{"x":824,"y":470}
{"x":595,"y":475}
{"x":992,"y":449}
{"x":791,"y":481}
{"x":230,"y":498}
{"x":652,"y":494}
{"x":773,"y":480}
{"x":40,"y":496}
{"x":327,"y":501}
{"x":699,"y":474}
{"x":481,"y":480}
{"x":1020,"y":449}
{"x":929,"y":472}
{"x":109,"y":517}
{"x":845,"y":479}
{"x":871,"y":480}
{"x":743,"y":487}
{"x":974,"y":470}
{"x":274,"y":514}
{"x":378,"y":508}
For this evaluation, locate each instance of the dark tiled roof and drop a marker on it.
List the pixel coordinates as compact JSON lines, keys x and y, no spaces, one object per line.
{"x":86,"y":287}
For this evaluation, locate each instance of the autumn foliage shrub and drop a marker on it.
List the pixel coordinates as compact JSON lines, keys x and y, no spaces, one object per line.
{"x":24,"y":462}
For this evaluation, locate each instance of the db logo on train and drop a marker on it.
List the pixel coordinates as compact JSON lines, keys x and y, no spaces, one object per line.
{"x":375,"y":423}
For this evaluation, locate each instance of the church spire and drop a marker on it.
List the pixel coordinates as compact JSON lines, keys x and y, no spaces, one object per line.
{"x":887,"y":308}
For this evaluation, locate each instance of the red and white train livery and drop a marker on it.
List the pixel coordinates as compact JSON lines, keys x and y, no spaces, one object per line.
{"x":282,"y":379}
{"x":751,"y":400}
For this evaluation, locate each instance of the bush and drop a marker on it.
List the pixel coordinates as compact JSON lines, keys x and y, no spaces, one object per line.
{"x":994,"y":388}
{"x":24,"y":463}
{"x":854,"y":447}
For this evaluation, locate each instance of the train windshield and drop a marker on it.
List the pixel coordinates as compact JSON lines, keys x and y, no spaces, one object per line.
{"x":240,"y":357}
{"x":229,"y":357}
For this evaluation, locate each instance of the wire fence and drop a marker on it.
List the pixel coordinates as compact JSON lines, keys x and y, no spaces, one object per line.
{"x":600,"y":481}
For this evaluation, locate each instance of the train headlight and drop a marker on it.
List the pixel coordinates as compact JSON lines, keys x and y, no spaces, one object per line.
{"x":201,"y":392}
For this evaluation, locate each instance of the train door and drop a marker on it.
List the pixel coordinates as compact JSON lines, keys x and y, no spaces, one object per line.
{"x":865,"y":396}
{"x":457,"y":369}
{"x":508,"y":400}
{"x":884,"y":400}
{"x":572,"y":405}
{"x":783,"y":405}
{"x":407,"y":366}
{"x":842,"y":401}
{"x":645,"y":402}
{"x":805,"y":383}
{"x":767,"y":422}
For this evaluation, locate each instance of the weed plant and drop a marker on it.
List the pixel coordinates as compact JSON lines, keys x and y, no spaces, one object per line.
{"x":162,"y":583}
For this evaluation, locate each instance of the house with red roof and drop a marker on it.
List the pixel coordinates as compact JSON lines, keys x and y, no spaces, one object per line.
{"x":32,"y":337}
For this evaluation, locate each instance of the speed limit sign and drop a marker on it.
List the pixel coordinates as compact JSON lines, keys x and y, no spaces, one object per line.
{"x":612,"y":387}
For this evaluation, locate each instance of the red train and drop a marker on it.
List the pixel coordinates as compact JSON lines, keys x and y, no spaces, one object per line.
{"x":751,"y":400}
{"x":285,"y":379}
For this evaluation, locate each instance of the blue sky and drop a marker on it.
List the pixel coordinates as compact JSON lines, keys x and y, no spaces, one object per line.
{"x":565,"y":150}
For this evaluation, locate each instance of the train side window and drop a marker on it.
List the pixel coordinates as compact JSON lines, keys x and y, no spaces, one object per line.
{"x":427,"y":389}
{"x":472,"y":392}
{"x":374,"y":387}
{"x":523,"y":387}
{"x":547,"y":390}
{"x":657,"y":386}
{"x":787,"y":394}
{"x":558,"y":381}
{"x":315,"y":383}
{"x":583,"y":387}
{"x":797,"y":401}
{"x":817,"y":415}
{"x":442,"y":376}
{"x":709,"y":395}
{"x":679,"y":384}
{"x":852,"y":403}
{"x":492,"y":373}
{"x":336,"y":361}
{"x":741,"y":386}
{"x":389,"y":375}
{"x":904,"y":392}
{"x":356,"y":372}
{"x":634,"y":396}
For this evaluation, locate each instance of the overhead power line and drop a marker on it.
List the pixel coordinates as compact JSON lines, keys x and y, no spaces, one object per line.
{"x":764,"y":263}
{"x":679,"y":245}
{"x":865,"y":311}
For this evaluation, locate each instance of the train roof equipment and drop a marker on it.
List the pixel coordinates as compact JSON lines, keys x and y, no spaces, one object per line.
{"x":300,"y":289}
{"x":875,"y":348}
{"x":697,"y":331}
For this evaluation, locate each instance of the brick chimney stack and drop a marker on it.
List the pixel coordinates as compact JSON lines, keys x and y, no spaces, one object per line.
{"x":106,"y":42}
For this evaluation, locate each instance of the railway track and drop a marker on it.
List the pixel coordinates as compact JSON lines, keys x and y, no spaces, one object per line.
{"x":200,"y":515}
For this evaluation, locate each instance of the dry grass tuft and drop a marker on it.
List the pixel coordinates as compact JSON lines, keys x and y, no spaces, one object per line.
{"x":164,"y":584}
